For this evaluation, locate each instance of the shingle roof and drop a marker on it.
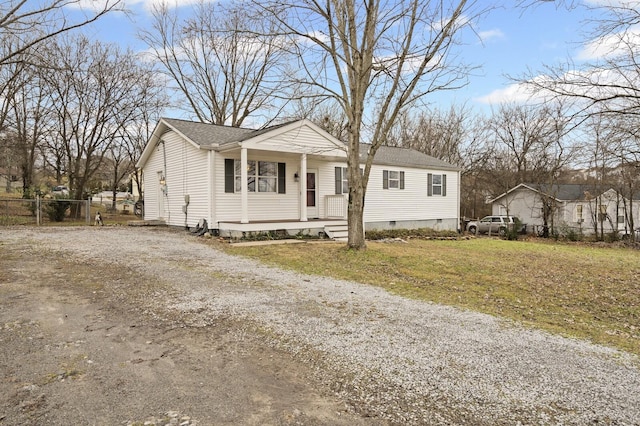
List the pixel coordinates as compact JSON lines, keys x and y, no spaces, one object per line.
{"x":395,"y":156}
{"x":205,"y":134}
{"x":568,"y":192}
{"x":208,"y":135}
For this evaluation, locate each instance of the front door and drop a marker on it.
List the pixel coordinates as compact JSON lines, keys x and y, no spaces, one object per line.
{"x":312,"y":194}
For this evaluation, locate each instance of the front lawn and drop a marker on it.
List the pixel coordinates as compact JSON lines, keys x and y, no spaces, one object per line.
{"x":584,"y":291}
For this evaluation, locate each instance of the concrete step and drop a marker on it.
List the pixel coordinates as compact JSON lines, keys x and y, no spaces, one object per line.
{"x":338,"y":232}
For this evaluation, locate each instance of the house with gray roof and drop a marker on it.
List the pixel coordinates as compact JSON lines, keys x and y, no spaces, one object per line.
{"x":290,"y":178}
{"x":569,"y":207}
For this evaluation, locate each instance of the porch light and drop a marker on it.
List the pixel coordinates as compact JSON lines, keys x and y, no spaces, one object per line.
{"x":296,"y":177}
{"x":162,"y":180}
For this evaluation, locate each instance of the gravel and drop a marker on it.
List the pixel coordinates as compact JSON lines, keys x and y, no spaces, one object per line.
{"x":406,"y":361}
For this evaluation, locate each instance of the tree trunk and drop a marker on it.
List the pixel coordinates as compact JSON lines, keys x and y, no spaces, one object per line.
{"x":355,"y":217}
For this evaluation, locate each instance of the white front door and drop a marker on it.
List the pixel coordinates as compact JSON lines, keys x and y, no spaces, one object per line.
{"x":312,"y":194}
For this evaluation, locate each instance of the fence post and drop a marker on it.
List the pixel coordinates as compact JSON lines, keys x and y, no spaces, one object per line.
{"x":88,"y":210}
{"x":38,"y":205}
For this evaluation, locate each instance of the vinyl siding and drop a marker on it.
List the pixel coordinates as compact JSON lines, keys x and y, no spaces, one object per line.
{"x":302,"y":139}
{"x":190,"y":170}
{"x":412,"y":202}
{"x":522,"y":203}
{"x":186,"y":174}
{"x":262,"y":206}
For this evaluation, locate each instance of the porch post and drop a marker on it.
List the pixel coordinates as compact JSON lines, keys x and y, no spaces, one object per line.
{"x":244,"y":193}
{"x":303,"y":188}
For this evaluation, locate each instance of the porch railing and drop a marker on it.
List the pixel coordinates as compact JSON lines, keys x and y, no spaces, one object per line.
{"x":335,"y":206}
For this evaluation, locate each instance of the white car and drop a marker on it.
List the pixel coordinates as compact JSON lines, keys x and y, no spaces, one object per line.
{"x":60,"y":190}
{"x":495,"y":225}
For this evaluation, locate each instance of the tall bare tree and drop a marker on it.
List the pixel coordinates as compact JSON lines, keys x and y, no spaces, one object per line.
{"x":225,"y":65}
{"x":29,"y":121}
{"x":25,"y":25}
{"x":530,"y":145}
{"x":96,"y":91}
{"x":609,"y":82}
{"x":440,"y":134}
{"x":374,"y":59}
{"x":136,"y":134}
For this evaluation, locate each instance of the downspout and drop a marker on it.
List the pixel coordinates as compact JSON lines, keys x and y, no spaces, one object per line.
{"x":460,"y":224}
{"x":166,"y":185}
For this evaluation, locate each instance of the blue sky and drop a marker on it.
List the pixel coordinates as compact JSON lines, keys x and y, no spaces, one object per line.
{"x":514,"y":42}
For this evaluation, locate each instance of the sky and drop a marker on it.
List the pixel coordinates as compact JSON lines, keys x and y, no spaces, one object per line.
{"x":509,"y":42}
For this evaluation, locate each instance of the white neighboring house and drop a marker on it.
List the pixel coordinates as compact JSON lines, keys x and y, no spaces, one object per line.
{"x":289,"y":177}
{"x":575,"y":207}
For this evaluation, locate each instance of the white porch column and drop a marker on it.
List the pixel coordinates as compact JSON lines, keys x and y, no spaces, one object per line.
{"x":303,"y":188}
{"x":244,"y":193}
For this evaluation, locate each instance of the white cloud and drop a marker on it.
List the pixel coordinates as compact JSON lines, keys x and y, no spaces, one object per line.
{"x":151,"y":4}
{"x":491,"y":35}
{"x":517,"y":92}
{"x":611,"y":45}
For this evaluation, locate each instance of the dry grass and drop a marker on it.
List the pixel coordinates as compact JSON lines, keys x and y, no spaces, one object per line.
{"x":583,"y":291}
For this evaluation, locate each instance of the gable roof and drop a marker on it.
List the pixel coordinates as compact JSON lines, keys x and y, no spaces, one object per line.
{"x":559,"y":192}
{"x":205,"y":134}
{"x":217,"y":137}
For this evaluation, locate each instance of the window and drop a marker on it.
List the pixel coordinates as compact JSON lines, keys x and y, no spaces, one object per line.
{"x":392,"y":179}
{"x":262,"y":176}
{"x":602,"y":213}
{"x":436,"y":185}
{"x":579,"y":217}
{"x":342,"y":180}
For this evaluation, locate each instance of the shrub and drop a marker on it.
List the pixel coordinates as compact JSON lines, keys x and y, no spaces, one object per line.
{"x":512,"y":233}
{"x":56,"y":210}
{"x":408,"y":233}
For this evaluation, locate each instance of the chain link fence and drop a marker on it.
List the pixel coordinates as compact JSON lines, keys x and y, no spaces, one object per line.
{"x":57,"y":211}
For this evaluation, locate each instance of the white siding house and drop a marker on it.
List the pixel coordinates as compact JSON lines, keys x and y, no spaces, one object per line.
{"x":289,"y":177}
{"x":576,"y":207}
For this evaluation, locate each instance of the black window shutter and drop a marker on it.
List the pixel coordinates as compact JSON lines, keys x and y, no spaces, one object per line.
{"x":385,"y":179}
{"x":338,"y":174}
{"x":229,"y":180}
{"x":401,"y":180}
{"x":429,"y":184}
{"x":444,"y":185}
{"x":282,"y":178}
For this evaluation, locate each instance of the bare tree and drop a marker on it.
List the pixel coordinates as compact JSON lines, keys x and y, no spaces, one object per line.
{"x":135,"y":137}
{"x":440,"y":134}
{"x":226,"y":65}
{"x":29,"y":121}
{"x":25,"y":25}
{"x":374,"y":59}
{"x":96,"y":92}
{"x":610,"y":82}
{"x":29,"y":23}
{"x":530,"y":146}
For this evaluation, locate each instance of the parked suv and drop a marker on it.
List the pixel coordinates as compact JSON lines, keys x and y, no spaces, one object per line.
{"x":60,"y":190}
{"x":497,"y":225}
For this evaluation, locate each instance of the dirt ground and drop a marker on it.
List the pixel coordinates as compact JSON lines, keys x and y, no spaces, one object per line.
{"x":76,"y":348}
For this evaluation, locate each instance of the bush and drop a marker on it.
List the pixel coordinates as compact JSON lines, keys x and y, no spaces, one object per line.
{"x":408,"y":233}
{"x":513,"y":232}
{"x":573,"y":235}
{"x":56,"y":210}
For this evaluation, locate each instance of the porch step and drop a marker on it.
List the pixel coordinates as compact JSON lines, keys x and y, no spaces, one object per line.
{"x":338,"y":231}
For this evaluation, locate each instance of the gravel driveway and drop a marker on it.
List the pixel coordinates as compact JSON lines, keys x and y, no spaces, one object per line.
{"x":389,"y":358}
